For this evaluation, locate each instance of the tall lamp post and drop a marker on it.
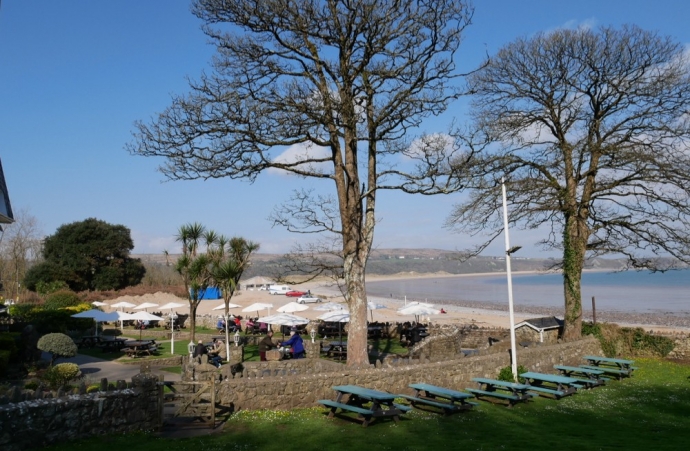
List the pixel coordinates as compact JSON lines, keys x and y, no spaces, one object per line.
{"x":509,"y":251}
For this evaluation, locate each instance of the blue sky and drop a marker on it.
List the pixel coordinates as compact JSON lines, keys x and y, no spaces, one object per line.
{"x":76,"y":74}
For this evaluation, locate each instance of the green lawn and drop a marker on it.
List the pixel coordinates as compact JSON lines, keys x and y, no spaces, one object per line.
{"x":650,"y":411}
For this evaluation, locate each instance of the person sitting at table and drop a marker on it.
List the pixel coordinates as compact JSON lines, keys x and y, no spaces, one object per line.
{"x":249,"y":325}
{"x":214,"y":355}
{"x":200,"y":350}
{"x":266,"y":344}
{"x":296,"y":343}
{"x":220,"y":325}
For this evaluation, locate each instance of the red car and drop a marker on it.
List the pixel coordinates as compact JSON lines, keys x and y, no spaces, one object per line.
{"x":295,"y":294}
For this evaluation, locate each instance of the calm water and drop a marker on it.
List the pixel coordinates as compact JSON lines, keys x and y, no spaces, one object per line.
{"x":630,"y":291}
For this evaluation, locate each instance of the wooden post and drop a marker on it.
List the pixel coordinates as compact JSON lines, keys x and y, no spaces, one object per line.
{"x":213,"y":403}
{"x":594,"y":311}
{"x":161,"y":400}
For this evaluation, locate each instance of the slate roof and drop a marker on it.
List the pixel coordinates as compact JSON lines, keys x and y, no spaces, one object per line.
{"x":543,"y":323}
{"x":6,"y":216}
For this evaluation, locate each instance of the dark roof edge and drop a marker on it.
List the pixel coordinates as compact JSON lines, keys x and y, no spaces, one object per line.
{"x":5,"y":217}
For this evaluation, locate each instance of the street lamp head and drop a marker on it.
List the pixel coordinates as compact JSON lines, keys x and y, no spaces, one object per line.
{"x":513,"y":249}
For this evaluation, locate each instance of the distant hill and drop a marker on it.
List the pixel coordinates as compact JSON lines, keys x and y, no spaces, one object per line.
{"x":395,"y":261}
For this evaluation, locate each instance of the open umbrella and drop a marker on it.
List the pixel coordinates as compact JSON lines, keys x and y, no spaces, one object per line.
{"x":145,"y":316}
{"x":418,"y":310}
{"x":337,"y":316}
{"x":292,"y":307}
{"x":171,"y":306}
{"x":145,"y":306}
{"x":371,"y":305}
{"x":99,"y":303}
{"x":100,"y":316}
{"x":230,"y":305}
{"x":97,"y":315}
{"x":329,"y":306}
{"x":257,"y":307}
{"x":284,"y":319}
{"x":123,"y":304}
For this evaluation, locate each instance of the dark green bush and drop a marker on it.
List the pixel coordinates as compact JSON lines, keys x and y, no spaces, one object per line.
{"x":4,"y":361}
{"x":61,"y":375}
{"x":31,"y":385}
{"x":61,"y":299}
{"x":617,"y":341}
{"x":58,"y":345}
{"x":9,"y":341}
{"x":506,"y":374}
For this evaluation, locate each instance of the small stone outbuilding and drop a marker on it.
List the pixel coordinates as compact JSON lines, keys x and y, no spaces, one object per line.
{"x":547,"y":329}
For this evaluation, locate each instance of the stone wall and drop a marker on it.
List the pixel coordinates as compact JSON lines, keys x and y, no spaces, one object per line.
{"x":681,"y":350}
{"x":282,"y":391}
{"x":37,"y":423}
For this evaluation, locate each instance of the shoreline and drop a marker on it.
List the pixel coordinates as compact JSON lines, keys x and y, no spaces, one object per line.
{"x":459,"y":312}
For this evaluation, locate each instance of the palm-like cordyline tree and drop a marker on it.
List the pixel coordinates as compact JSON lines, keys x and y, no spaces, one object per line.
{"x":227,"y":269}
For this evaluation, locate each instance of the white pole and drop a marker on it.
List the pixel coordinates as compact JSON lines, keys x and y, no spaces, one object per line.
{"x":513,"y":353}
{"x":172,"y":332}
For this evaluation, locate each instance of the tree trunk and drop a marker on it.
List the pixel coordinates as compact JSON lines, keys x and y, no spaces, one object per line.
{"x":192,"y":320}
{"x":575,"y":238}
{"x":356,"y":296}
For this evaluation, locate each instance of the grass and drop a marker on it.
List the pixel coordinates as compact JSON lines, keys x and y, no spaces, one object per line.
{"x":649,"y":411}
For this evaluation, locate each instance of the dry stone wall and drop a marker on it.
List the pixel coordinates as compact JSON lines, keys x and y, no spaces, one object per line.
{"x":37,"y":423}
{"x":304,"y":390}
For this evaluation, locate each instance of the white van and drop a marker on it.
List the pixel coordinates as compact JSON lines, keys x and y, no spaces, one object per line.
{"x":278,"y":289}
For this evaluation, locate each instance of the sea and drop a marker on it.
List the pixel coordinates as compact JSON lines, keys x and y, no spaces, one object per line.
{"x":641,"y":292}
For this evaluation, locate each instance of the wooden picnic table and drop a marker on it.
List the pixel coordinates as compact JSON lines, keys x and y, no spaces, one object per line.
{"x":449,"y":401}
{"x":511,"y":392}
{"x":585,"y":376}
{"x":138,"y":348}
{"x":89,"y":341}
{"x":112,"y":344}
{"x":552,"y":384}
{"x":619,"y":367}
{"x":353,"y":398}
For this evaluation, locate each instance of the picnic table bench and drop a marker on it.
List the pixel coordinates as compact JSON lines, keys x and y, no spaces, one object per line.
{"x":585,"y":376}
{"x":449,"y":401}
{"x":140,"y":348}
{"x":552,"y":384}
{"x":509,"y":391}
{"x":353,"y":398}
{"x":618,"y":367}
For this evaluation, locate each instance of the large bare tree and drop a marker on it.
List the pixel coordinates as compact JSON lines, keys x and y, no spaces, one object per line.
{"x":591,"y":129}
{"x":341,"y":83}
{"x":20,"y":247}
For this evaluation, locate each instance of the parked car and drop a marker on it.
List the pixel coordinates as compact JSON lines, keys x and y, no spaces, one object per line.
{"x":307,"y":299}
{"x":295,"y":293}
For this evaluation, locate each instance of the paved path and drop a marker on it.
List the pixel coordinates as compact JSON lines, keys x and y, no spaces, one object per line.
{"x":94,"y":369}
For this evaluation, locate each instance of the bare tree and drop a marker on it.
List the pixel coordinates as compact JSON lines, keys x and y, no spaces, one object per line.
{"x":591,"y":129}
{"x":20,"y":247}
{"x":342,"y":83}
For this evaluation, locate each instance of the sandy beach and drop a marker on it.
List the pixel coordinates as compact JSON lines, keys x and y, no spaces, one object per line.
{"x":467,"y":313}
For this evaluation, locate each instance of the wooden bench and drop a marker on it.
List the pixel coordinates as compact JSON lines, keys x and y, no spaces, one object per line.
{"x":449,"y":401}
{"x":446,"y":407}
{"x":495,"y":394}
{"x":364,"y":413}
{"x":619,"y":373}
{"x":557,"y":393}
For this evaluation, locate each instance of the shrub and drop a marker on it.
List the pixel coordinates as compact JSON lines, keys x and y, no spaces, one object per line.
{"x":4,"y":361}
{"x":8,"y":342}
{"x":31,"y":385}
{"x":617,"y":340}
{"x":58,"y":345}
{"x":506,"y":374}
{"x":93,"y":388}
{"x":45,"y":288}
{"x":60,"y":375}
{"x":61,"y":299}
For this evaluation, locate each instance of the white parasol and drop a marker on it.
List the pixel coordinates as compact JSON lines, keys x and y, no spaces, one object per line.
{"x":171,"y":306}
{"x":222,"y":306}
{"x":145,"y":316}
{"x":123,"y":304}
{"x":330,"y":306}
{"x":145,"y":306}
{"x":99,"y":303}
{"x":100,"y":316}
{"x":284,"y":319}
{"x":371,"y":305}
{"x":292,"y":307}
{"x":418,"y":310}
{"x":257,"y":307}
